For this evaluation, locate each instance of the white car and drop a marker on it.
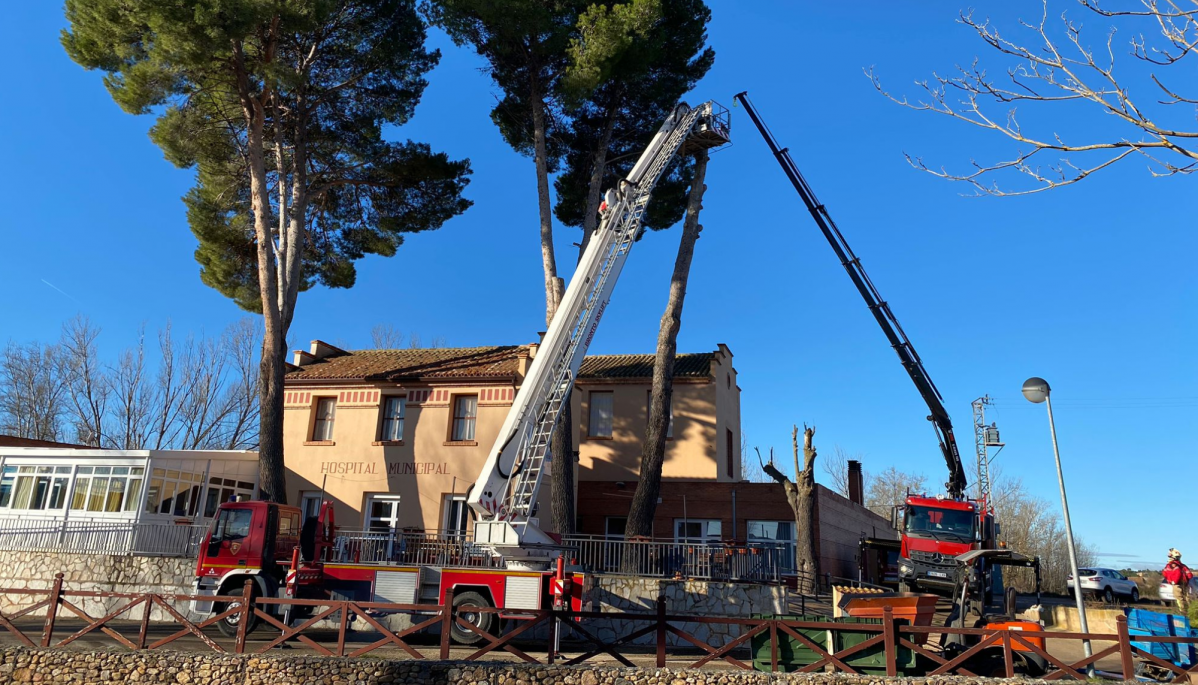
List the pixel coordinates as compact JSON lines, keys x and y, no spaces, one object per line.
{"x":1165,"y":591}
{"x":1106,"y":583}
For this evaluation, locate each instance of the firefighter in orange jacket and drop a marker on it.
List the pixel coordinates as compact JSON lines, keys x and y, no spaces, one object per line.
{"x":1178,"y":575}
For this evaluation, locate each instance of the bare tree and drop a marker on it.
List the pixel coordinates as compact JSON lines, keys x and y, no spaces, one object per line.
{"x":1051,"y":63}
{"x":1031,"y":525}
{"x":751,"y":471}
{"x":240,"y":428}
{"x":800,"y":494}
{"x":384,"y":336}
{"x":33,"y":392}
{"x":889,"y":489}
{"x":837,"y":469}
{"x":88,"y":384}
{"x":132,"y":398}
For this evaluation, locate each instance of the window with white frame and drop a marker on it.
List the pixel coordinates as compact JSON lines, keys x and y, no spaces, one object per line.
{"x":174,"y":491}
{"x":382,"y":513}
{"x":465,"y":414}
{"x":107,"y":488}
{"x":457,"y":516}
{"x":34,"y":488}
{"x":697,"y":530}
{"x":393,"y":413}
{"x":322,"y":423}
{"x":600,"y":423}
{"x":225,"y":490}
{"x":310,"y":504}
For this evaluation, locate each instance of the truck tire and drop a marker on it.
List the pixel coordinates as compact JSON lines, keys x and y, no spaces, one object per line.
{"x":228,"y":625}
{"x":483,"y":621}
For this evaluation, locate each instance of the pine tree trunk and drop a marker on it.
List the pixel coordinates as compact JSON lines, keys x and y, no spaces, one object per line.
{"x":590,"y":217}
{"x":561,"y":473}
{"x":644,"y":500}
{"x":272,"y":478}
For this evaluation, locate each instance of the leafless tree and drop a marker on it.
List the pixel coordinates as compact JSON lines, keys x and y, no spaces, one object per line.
{"x":384,"y":336}
{"x":889,"y":489}
{"x":1031,"y":526}
{"x":837,"y":468}
{"x":87,"y":381}
{"x":1051,"y":66}
{"x":751,"y":470}
{"x":132,"y":400}
{"x":800,"y":494}
{"x":241,"y":341}
{"x":33,"y":392}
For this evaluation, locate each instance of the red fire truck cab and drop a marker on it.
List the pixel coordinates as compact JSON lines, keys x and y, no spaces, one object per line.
{"x":935,"y":530}
{"x":284,"y":557}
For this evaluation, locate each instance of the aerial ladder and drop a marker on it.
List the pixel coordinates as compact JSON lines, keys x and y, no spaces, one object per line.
{"x":505,"y":494}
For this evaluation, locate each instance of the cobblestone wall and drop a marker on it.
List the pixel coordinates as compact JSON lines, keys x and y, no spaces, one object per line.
{"x":94,"y":572}
{"x":19,"y":665}
{"x":701,"y":597}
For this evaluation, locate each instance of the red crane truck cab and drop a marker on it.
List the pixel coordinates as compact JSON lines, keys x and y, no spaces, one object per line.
{"x":267,"y":543}
{"x":935,"y":530}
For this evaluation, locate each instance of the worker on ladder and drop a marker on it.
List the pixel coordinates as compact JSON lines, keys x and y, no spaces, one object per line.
{"x":1179,"y":575}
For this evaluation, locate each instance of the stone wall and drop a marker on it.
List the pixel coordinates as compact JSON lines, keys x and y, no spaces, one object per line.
{"x":98,"y":573}
{"x":19,"y":665}
{"x":628,"y":593}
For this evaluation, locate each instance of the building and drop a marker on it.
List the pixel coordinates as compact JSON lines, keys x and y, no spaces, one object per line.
{"x":396,"y":437}
{"x":87,"y":499}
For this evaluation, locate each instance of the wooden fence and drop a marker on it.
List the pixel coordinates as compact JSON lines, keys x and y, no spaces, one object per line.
{"x":891,"y":635}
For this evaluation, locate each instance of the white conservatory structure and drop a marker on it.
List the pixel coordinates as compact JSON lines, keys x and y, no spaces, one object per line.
{"x":116,"y":501}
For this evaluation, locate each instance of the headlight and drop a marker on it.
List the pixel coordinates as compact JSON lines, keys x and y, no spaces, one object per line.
{"x":906,"y":569}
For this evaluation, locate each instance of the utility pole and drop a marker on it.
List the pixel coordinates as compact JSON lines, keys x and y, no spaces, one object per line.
{"x":984,"y":437}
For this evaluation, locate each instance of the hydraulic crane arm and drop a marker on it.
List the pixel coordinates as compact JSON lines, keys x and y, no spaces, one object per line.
{"x":505,"y":492}
{"x":877,"y":306}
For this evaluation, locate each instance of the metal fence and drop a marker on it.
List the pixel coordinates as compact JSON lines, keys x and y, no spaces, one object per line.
{"x":673,"y":559}
{"x":432,"y":549}
{"x":101,"y":537}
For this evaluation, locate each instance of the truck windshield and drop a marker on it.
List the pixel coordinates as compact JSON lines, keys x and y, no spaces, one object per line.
{"x":232,"y":525}
{"x":936,"y":522}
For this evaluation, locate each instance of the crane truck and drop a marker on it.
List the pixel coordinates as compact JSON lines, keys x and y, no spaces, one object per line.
{"x":510,"y":563}
{"x":935,"y":529}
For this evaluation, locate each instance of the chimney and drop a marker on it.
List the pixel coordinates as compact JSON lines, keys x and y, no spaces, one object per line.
{"x":303,"y":358}
{"x":856,"y":483}
{"x":322,"y":350}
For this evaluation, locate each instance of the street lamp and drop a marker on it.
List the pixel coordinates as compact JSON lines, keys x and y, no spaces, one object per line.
{"x":1036,"y":390}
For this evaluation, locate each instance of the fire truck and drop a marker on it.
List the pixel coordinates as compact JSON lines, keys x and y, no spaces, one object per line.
{"x":935,"y":530}
{"x":510,"y":563}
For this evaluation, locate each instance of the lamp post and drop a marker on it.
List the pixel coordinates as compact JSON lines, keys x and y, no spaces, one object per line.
{"x":1036,"y":390}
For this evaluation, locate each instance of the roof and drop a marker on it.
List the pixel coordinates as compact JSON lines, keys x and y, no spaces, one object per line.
{"x":397,"y":365}
{"x":606,"y":366}
{"x":13,"y":441}
{"x":500,"y":361}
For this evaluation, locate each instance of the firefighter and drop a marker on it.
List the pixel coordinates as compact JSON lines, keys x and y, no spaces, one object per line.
{"x":1178,"y":575}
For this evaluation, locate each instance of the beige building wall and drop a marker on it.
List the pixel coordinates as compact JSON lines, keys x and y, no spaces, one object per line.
{"x":424,"y":469}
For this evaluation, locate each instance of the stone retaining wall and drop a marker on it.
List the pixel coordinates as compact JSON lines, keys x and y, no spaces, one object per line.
{"x":19,"y":665}
{"x":96,"y":573}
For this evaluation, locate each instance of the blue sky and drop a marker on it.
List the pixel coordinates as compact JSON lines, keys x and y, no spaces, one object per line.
{"x":1091,"y":287}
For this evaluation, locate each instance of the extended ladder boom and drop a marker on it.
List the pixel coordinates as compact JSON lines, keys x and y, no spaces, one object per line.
{"x":877,"y":306}
{"x":505,"y":492}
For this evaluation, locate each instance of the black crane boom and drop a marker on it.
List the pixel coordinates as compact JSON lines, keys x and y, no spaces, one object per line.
{"x":877,"y":306}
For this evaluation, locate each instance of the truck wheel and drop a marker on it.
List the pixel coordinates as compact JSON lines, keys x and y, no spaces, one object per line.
{"x":483,"y":621}
{"x":228,"y":625}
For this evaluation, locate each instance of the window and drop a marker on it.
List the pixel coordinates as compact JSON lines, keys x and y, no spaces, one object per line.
{"x":393,"y":412}
{"x":382,"y":513}
{"x":939,"y":522}
{"x":614,"y":527}
{"x":221,"y":490}
{"x":176,"y":491}
{"x":601,"y":415}
{"x":730,"y":453}
{"x":34,"y":488}
{"x":669,"y":408}
{"x":101,"y":488}
{"x":233,"y":525}
{"x":465,"y":413}
{"x":457,"y":516}
{"x":322,"y":425}
{"x":310,"y":504}
{"x":697,"y":530}
{"x":774,"y":533}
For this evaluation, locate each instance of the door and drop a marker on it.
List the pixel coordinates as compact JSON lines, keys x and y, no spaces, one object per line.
{"x":381,"y":541}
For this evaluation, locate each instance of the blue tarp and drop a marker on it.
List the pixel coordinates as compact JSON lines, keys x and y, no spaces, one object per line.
{"x":1143,"y":622}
